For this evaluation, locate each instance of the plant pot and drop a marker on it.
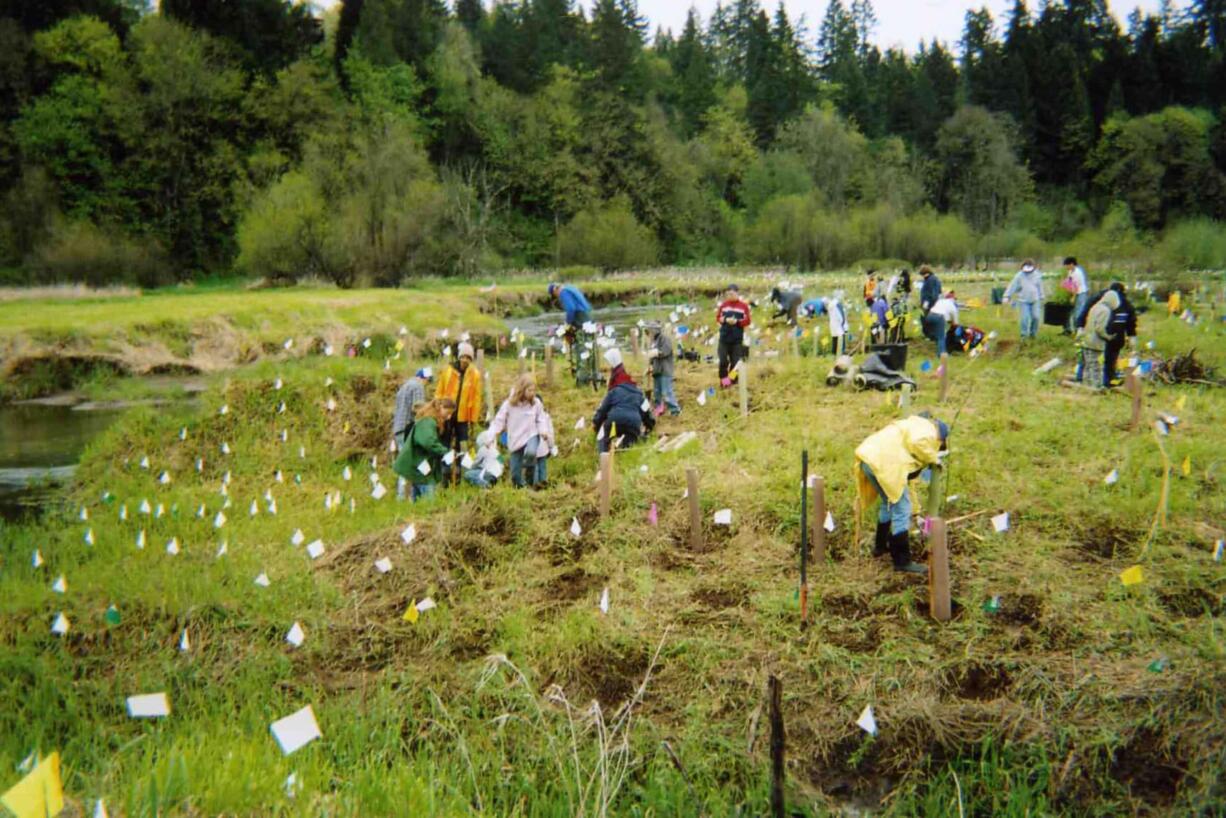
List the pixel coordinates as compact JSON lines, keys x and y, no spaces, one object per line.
{"x":1056,"y":315}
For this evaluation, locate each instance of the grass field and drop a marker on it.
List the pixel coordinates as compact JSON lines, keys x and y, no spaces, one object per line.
{"x":518,"y":696}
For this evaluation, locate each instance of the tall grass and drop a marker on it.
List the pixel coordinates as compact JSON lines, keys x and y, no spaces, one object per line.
{"x":1044,"y":707}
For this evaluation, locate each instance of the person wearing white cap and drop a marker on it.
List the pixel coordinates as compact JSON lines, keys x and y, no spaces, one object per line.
{"x":461,"y":382}
{"x":1026,"y":291}
{"x":621,"y":413}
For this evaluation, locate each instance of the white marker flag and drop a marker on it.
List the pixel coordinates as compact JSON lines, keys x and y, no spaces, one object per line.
{"x":296,"y":730}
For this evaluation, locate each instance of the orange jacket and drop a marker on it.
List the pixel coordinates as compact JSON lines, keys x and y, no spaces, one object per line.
{"x":464,"y":389}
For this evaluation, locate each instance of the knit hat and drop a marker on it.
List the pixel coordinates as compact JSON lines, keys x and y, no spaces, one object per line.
{"x":734,"y":288}
{"x":466,"y":351}
{"x":553,"y":288}
{"x":1027,"y":266}
{"x":613,"y":358}
{"x":426,"y":373}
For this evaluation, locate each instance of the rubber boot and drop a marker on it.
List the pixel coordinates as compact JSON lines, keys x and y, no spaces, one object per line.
{"x":881,"y":546}
{"x":900,"y":550}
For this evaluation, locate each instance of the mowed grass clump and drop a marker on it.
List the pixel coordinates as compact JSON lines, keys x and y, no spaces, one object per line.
{"x":517,"y":695}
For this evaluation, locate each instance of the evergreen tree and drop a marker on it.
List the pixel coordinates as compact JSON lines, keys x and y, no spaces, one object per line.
{"x":270,"y":34}
{"x":693,"y":67}
{"x":470,"y":13}
{"x":617,"y":41}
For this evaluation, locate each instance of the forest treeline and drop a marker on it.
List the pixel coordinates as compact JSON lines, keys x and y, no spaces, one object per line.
{"x":399,"y":138}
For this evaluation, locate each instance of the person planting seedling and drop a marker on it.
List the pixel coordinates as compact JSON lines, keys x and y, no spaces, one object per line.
{"x":888,"y":460}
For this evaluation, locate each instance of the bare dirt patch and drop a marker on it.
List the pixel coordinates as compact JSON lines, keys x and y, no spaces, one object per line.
{"x":978,"y":681}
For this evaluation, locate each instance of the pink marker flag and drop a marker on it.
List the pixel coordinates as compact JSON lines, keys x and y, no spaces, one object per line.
{"x":653,"y":514}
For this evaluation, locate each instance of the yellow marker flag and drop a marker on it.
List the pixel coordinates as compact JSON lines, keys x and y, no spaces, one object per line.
{"x":1187,"y":466}
{"x":399,"y":346}
{"x":867,"y":318}
{"x":40,"y":794}
{"x":346,"y":429}
{"x":1132,"y":576}
{"x":1182,"y":402}
{"x":412,"y":613}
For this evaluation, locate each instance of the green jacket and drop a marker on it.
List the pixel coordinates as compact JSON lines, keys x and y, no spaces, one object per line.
{"x":423,"y":445}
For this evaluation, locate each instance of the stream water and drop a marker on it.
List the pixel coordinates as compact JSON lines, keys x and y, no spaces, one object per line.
{"x":39,"y":450}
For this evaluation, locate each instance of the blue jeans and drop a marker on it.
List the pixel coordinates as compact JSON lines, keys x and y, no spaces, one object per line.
{"x":1030,"y":314}
{"x":528,"y":452}
{"x":423,"y":491}
{"x":898,"y":515}
{"x":478,"y":478}
{"x":935,"y":328}
{"x":665,"y":396}
{"x":542,"y":471}
{"x":1079,"y":304}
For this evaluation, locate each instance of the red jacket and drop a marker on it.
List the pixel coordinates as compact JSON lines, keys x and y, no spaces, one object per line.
{"x":733,"y":333}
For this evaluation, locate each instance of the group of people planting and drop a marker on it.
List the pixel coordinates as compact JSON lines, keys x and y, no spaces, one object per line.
{"x":433,"y":434}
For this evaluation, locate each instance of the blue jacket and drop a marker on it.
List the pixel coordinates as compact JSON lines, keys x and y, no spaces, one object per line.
{"x":930,"y":292}
{"x":573,"y":302}
{"x":622,"y":405}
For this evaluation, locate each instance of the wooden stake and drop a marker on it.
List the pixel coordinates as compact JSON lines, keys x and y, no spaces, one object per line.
{"x":481,"y":360}
{"x":519,"y":351}
{"x":634,"y":342}
{"x":795,"y":344}
{"x":818,"y":520}
{"x":944,"y":376}
{"x":936,"y":491}
{"x":549,"y":364}
{"x":1134,"y":387}
{"x":606,"y":482}
{"x":489,"y":398}
{"x":804,"y":539}
{"x":742,"y":378}
{"x":938,"y":571}
{"x":778,"y":803}
{"x":691,"y":483}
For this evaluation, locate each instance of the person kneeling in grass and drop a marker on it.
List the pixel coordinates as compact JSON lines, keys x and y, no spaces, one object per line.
{"x":421,"y":457}
{"x":487,"y":466}
{"x":888,"y":460}
{"x":522,"y":416}
{"x":624,"y":410}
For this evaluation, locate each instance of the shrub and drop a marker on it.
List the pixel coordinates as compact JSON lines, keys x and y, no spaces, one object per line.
{"x":286,"y":233}
{"x":1011,"y":243}
{"x":608,"y":236}
{"x":931,"y":237}
{"x":81,"y":252}
{"x":1199,"y":244}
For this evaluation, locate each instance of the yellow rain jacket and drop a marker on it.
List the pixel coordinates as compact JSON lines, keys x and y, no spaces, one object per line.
{"x":465,"y":391}
{"x":900,"y":449}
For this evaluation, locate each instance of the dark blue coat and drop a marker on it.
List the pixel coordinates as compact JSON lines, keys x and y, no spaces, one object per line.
{"x":930,"y":292}
{"x":622,"y":405}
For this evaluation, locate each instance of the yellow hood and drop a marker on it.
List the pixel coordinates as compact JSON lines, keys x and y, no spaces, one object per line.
{"x":903,"y":447}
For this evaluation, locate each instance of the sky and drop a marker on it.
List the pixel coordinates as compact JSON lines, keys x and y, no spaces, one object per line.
{"x":900,"y":23}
